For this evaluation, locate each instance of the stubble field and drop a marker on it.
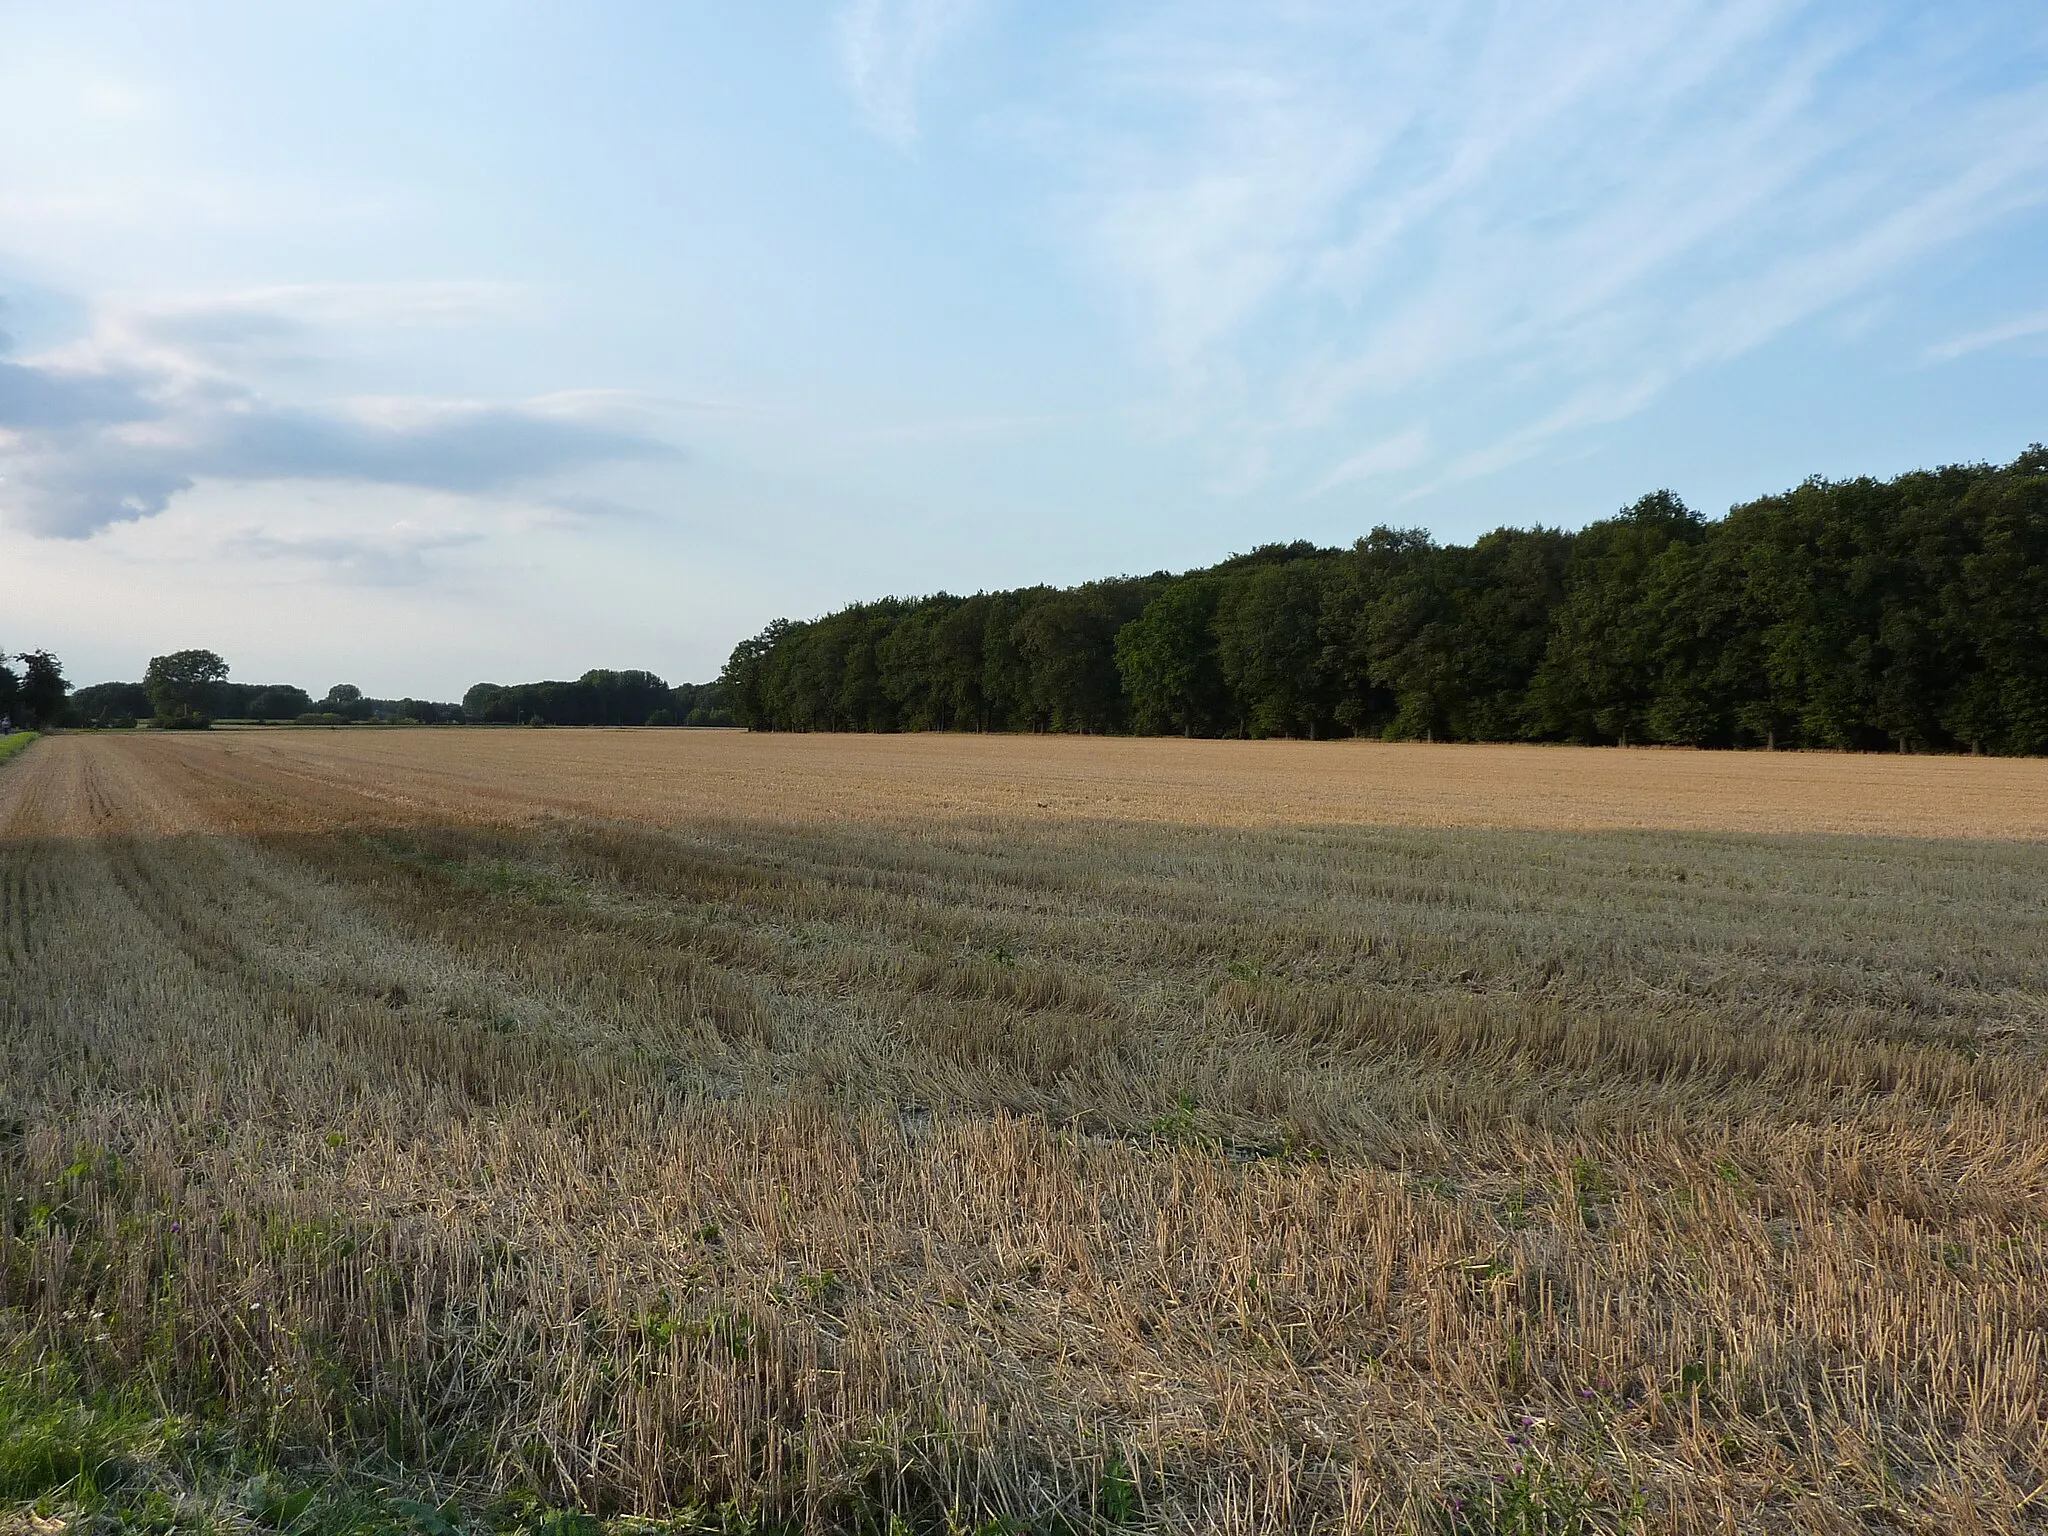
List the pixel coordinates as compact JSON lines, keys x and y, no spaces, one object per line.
{"x":725,"y":1130}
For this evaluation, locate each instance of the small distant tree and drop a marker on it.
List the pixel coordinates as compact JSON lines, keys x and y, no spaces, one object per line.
{"x":346,"y":700}
{"x":42,"y":687}
{"x":279,"y":703}
{"x":1167,"y":657}
{"x":10,"y":691}
{"x":181,"y":685}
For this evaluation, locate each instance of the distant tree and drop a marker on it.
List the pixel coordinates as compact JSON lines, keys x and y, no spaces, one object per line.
{"x":1992,"y":610}
{"x":179,"y":685}
{"x":1005,"y":704}
{"x":602,"y":697}
{"x":1269,"y":645}
{"x":484,"y":703}
{"x":744,"y":680}
{"x":42,"y":688}
{"x":915,"y":671}
{"x":1409,"y":632}
{"x":1067,"y":642}
{"x":698,"y":704}
{"x":109,"y":704}
{"x":10,"y":692}
{"x":346,"y":700}
{"x":1606,"y":658}
{"x":279,"y":703}
{"x":1167,"y":658}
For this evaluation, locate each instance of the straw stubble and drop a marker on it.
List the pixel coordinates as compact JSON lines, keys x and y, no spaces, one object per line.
{"x":847,"y":1126}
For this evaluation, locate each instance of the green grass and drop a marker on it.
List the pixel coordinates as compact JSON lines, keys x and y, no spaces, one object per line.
{"x":117,"y":1461}
{"x":11,"y":746}
{"x":55,"y":1443}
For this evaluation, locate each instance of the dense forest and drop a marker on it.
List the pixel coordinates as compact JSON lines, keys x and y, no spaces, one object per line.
{"x":597,"y":698}
{"x":1909,"y":614}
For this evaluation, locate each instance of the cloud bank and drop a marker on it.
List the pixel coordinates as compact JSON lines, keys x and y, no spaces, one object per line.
{"x":109,"y":429}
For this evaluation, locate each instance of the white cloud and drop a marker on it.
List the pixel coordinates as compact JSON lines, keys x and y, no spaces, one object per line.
{"x":2019,"y":328}
{"x":885,"y":49}
{"x":1405,"y":451}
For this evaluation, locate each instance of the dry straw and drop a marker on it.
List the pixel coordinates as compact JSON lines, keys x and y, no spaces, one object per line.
{"x":590,"y":1112}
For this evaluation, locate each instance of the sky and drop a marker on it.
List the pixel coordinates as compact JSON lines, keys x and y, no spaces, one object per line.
{"x":417,"y":345}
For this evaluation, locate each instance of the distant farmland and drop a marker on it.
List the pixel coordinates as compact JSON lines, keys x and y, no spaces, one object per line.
{"x":464,"y":1126}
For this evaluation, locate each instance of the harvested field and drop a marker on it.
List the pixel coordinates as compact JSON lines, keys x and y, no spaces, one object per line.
{"x":667,"y":776}
{"x":1192,"y":1136}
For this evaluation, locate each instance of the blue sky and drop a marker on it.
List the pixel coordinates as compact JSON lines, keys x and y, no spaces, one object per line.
{"x":413,"y":345}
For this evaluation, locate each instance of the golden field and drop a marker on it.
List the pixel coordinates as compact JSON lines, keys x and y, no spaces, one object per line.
{"x":666,"y":776}
{"x":717,"y":1129}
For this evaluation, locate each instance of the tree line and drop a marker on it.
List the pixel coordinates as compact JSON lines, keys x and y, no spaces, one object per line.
{"x":33,"y":697}
{"x":190,"y":689}
{"x":597,"y":698}
{"x":1909,"y":613}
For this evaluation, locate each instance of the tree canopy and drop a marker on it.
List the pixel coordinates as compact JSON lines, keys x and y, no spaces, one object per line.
{"x":598,"y":697}
{"x":34,"y":697}
{"x":180,"y":685}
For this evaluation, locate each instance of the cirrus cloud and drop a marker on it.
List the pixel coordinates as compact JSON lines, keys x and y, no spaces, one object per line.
{"x":1322,"y":219}
{"x":885,"y":49}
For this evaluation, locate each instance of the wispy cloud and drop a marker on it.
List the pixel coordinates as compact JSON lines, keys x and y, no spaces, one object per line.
{"x":2019,"y":328}
{"x":885,"y":49}
{"x":946,"y":429}
{"x":109,"y":428}
{"x":1405,"y":451}
{"x":400,"y":556}
{"x":1323,"y":217}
